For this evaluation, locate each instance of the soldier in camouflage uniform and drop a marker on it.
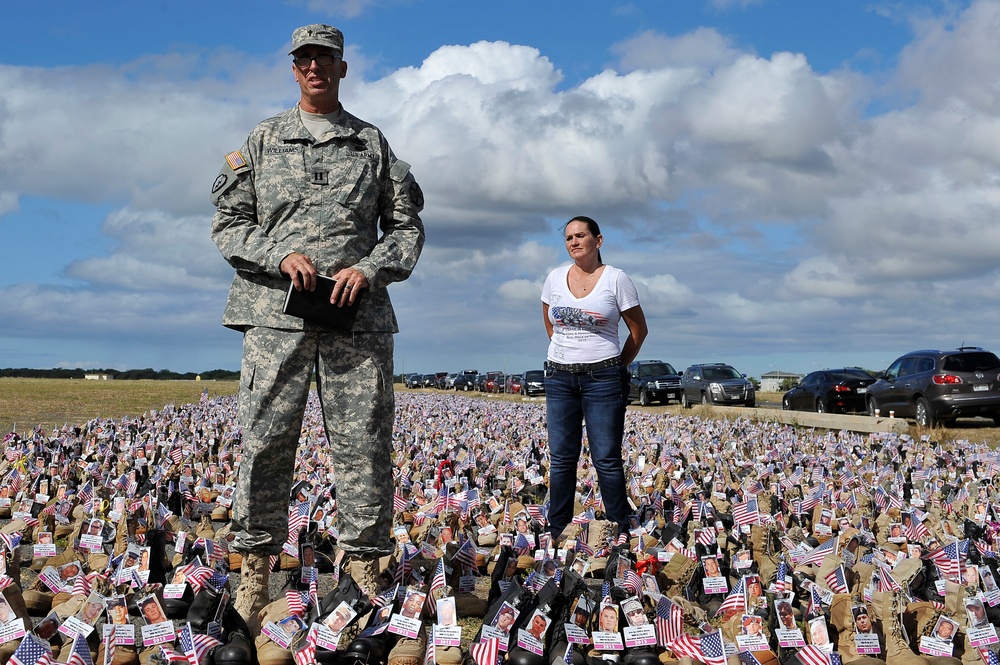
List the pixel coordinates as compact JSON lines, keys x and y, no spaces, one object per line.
{"x":314,"y":190}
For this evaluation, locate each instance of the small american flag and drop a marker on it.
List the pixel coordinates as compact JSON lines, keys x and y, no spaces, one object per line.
{"x":712,"y":648}
{"x":989,"y":657}
{"x":386,"y":597}
{"x":813,"y":655}
{"x":11,"y":541}
{"x":782,"y":581}
{"x":836,"y":581}
{"x":173,"y":657}
{"x":197,"y":575}
{"x":109,"y":647}
{"x":438,"y":581}
{"x":80,"y":655}
{"x":403,"y":568}
{"x":296,"y":603}
{"x":816,"y":556}
{"x":430,"y":654}
{"x":195,"y":647}
{"x":15,"y":481}
{"x":305,"y":654}
{"x":669,"y":622}
{"x":218,"y":580}
{"x":815,"y":607}
{"x":705,"y":536}
{"x":486,"y":652}
{"x":947,"y":559}
{"x":734,"y":602}
{"x":687,"y":645}
{"x":298,"y":519}
{"x":466,"y":554}
{"x":33,"y":651}
{"x":886,"y":581}
{"x":746,"y":513}
{"x":632,"y":582}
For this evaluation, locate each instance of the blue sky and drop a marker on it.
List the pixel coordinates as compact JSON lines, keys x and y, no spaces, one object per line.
{"x":792,"y":185}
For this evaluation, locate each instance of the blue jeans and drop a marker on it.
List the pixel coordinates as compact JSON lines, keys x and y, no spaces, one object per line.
{"x":598,"y":398}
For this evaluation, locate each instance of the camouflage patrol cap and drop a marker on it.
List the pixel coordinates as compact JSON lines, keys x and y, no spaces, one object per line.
{"x":317,"y":34}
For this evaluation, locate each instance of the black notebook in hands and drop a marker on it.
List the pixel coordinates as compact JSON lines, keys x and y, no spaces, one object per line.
{"x":315,"y":305}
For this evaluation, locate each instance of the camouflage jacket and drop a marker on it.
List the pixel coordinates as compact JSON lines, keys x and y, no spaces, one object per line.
{"x":343,"y":201}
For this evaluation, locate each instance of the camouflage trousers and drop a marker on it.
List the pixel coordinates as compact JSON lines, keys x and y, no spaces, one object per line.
{"x":354,"y":380}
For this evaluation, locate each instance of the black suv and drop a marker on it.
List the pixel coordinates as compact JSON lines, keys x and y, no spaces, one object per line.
{"x":935,"y":386}
{"x":653,"y":380}
{"x":715,"y":383}
{"x":534,"y":382}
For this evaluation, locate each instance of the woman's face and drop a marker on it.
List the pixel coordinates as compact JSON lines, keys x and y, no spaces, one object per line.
{"x":580,"y":243}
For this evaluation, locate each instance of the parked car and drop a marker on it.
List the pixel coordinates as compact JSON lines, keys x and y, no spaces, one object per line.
{"x":653,"y":380}
{"x":937,"y":386}
{"x":428,"y":380}
{"x":495,"y":383}
{"x":715,"y":383}
{"x":412,"y":380}
{"x":534,"y":382}
{"x":484,"y":379}
{"x":447,"y":382}
{"x":830,"y":390}
{"x":512,"y":385}
{"x":465,"y":382}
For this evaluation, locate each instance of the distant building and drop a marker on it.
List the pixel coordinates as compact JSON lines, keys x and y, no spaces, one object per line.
{"x":771,"y":382}
{"x":97,"y":377}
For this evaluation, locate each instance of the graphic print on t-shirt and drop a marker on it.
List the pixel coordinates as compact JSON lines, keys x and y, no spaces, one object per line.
{"x":577,"y":318}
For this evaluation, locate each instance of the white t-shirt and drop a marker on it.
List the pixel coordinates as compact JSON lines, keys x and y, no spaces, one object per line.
{"x":585,"y":330}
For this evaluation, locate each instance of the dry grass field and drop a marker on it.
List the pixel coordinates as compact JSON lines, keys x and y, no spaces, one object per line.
{"x":25,"y":403}
{"x":53,"y":402}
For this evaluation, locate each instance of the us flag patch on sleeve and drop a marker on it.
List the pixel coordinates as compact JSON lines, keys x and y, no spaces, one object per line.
{"x":236,"y":160}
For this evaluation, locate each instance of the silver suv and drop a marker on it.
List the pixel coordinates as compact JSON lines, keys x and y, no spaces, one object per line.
{"x":715,"y":383}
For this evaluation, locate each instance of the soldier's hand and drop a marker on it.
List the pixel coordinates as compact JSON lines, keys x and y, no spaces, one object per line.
{"x":301,"y":270}
{"x":350,"y":281}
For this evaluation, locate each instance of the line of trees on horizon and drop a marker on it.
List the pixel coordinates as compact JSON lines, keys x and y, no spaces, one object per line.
{"x":119,"y":375}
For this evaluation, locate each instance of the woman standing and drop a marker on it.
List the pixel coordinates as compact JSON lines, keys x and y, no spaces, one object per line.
{"x":586,"y":376}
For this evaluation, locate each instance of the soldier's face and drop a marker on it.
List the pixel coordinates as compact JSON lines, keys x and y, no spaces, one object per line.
{"x":863,"y":623}
{"x":319,"y":84}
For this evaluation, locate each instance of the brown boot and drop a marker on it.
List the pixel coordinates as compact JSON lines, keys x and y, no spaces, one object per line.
{"x":364,"y":571}
{"x":889,"y":607}
{"x":253,"y":595}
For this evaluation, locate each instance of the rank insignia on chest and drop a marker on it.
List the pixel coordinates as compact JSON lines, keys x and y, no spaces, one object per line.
{"x":321,"y":177}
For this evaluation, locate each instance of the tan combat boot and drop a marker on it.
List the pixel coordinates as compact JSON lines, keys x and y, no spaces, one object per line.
{"x":890,"y":606}
{"x":253,"y":595}
{"x":363,"y":570}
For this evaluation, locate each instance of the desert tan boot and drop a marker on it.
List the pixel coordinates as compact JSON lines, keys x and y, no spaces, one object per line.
{"x":253,"y":595}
